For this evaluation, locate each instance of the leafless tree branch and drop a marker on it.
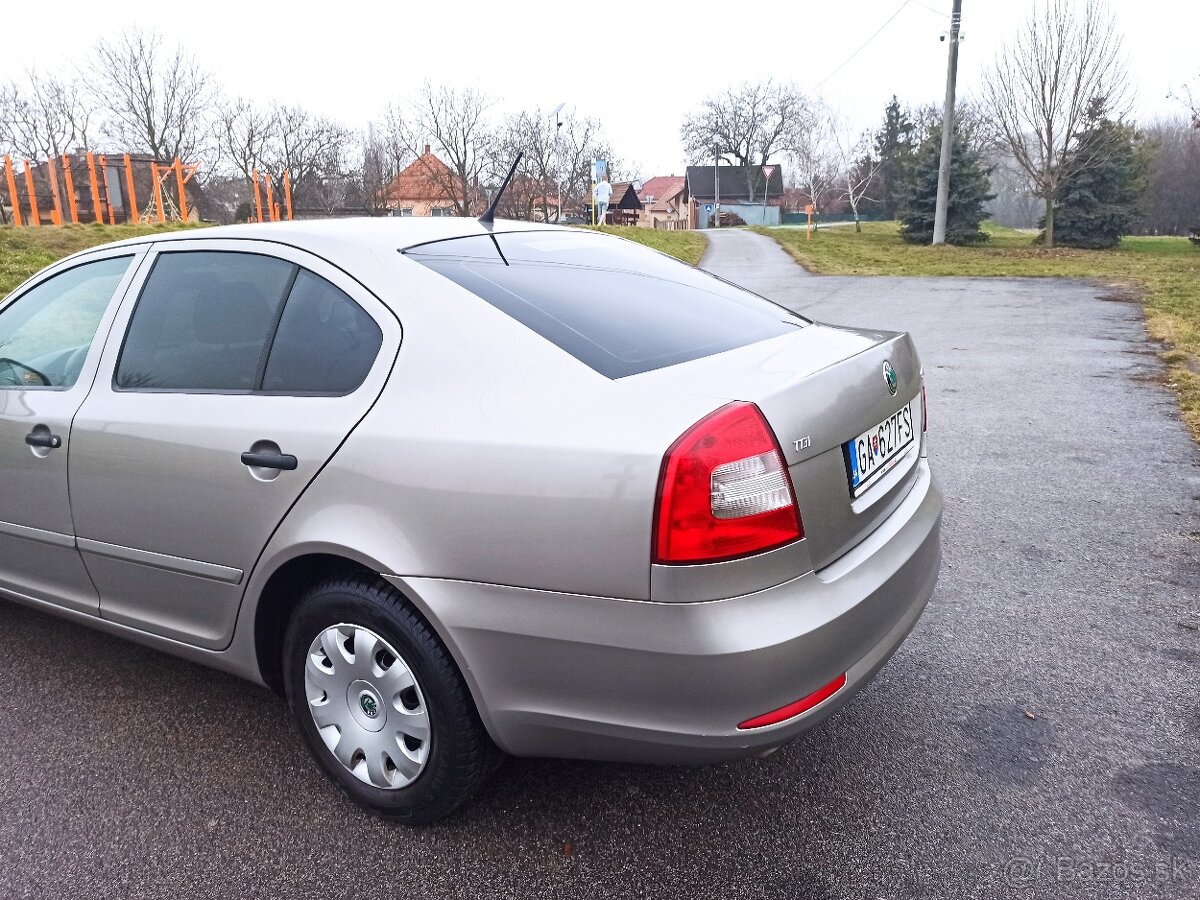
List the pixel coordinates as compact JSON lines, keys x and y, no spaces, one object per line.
{"x":744,"y":125}
{"x":1042,"y":85}
{"x":156,"y":100}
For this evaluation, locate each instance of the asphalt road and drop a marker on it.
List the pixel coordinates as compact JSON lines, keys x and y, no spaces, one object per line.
{"x":1037,"y":735}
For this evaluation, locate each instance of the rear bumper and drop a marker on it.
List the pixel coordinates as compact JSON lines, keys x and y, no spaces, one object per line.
{"x":595,"y":678}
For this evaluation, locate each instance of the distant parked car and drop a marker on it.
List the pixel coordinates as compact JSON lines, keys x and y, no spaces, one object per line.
{"x":452,"y":487}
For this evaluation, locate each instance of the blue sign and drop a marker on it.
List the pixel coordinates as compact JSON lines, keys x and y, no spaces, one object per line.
{"x":708,"y":207}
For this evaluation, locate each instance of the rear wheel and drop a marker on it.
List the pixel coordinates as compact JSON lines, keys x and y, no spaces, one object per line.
{"x":380,"y":702}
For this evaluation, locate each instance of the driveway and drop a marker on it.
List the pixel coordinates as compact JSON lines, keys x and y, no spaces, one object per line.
{"x":1037,"y":735}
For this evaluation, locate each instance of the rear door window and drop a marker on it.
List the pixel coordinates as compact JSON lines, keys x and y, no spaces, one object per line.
{"x":203,"y":322}
{"x":616,"y":306}
{"x":228,"y":322}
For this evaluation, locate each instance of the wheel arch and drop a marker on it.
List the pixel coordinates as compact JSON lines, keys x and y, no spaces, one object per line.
{"x":279,"y":595}
{"x":290,"y":578}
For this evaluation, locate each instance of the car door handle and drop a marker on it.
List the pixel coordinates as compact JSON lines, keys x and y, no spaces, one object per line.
{"x":43,"y":439}
{"x":284,"y":461}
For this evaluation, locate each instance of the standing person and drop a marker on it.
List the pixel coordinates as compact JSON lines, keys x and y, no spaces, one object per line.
{"x":602,"y":193}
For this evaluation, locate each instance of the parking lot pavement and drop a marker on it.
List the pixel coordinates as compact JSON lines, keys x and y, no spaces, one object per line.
{"x":1037,"y":735}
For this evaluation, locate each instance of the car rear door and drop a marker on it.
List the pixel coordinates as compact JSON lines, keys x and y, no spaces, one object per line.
{"x":48,"y":355}
{"x":225,"y":389}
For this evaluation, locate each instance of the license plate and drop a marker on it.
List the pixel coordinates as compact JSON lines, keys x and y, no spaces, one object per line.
{"x":874,"y":452}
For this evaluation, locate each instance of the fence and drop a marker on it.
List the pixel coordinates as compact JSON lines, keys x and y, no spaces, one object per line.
{"x":799,"y":218}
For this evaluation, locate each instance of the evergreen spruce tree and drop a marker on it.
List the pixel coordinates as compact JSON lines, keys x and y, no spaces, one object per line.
{"x":968,"y":192}
{"x":1099,"y":203}
{"x":894,"y":149}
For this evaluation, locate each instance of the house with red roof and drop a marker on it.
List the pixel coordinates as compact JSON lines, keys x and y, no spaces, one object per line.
{"x":427,"y":187}
{"x":665,"y":203}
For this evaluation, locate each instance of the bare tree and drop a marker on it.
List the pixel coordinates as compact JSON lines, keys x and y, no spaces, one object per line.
{"x":1191,"y":101}
{"x":859,"y":166}
{"x":454,"y":121}
{"x":581,"y":141}
{"x":1042,"y":83}
{"x":813,"y":152}
{"x":376,"y":168}
{"x":1172,"y":199}
{"x":43,"y":116}
{"x":554,"y":159}
{"x":745,"y":124}
{"x":532,"y":193}
{"x":313,"y":151}
{"x":1013,"y":204}
{"x":243,"y":134}
{"x":156,"y":100}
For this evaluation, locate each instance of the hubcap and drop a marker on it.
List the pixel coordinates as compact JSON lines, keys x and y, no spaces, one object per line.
{"x":367,"y":706}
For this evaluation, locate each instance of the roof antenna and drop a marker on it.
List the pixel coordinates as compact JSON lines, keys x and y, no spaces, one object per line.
{"x":488,"y":217}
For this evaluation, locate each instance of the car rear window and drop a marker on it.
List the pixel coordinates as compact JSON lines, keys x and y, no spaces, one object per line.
{"x":614,"y":305}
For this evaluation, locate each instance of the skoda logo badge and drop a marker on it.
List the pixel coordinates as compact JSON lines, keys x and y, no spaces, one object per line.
{"x":889,"y":375}
{"x":369,"y":707}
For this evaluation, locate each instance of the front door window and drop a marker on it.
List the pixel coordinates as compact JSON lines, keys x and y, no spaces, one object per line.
{"x":46,"y":332}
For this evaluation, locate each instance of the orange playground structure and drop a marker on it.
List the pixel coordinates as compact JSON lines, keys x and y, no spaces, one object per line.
{"x":90,"y":187}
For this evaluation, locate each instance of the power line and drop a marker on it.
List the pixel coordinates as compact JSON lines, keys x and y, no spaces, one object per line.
{"x":850,"y":58}
{"x":936,"y":12}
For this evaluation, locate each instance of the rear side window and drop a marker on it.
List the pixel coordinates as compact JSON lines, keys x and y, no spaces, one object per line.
{"x":616,"y":306}
{"x":203,"y":322}
{"x":325,"y":344}
{"x":214,"y":321}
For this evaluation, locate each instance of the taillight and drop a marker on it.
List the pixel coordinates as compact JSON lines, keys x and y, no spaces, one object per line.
{"x":724,"y":491}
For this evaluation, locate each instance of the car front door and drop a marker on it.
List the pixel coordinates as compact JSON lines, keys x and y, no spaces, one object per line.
{"x":242,"y":367}
{"x":48,"y":357}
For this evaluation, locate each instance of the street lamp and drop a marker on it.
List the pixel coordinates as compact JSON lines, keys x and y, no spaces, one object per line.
{"x":558,"y":157}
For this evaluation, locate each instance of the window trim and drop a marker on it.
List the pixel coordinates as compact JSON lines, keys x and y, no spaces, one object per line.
{"x":257,"y":391}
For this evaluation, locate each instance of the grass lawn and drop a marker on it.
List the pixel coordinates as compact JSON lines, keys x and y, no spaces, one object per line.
{"x":686,"y":245}
{"x":1162,"y":272}
{"x":24,"y":251}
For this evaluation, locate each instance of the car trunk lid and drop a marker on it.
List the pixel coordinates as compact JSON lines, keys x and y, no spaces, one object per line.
{"x":820,"y":388}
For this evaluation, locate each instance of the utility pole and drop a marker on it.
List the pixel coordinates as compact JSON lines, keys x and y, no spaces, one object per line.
{"x":558,"y":159}
{"x":717,"y":179}
{"x":943,"y":192}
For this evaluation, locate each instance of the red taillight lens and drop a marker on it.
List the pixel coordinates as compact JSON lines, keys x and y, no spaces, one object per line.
{"x":724,"y":491}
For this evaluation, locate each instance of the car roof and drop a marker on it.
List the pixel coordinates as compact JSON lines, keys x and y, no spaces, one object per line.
{"x":316,"y":235}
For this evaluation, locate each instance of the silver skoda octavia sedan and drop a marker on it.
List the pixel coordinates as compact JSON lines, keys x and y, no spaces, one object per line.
{"x":455,"y":489}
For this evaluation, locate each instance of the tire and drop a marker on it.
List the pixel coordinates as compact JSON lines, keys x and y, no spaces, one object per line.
{"x":381,"y":704}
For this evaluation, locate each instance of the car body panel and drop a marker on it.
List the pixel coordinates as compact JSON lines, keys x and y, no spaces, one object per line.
{"x":38,"y":557}
{"x":143,"y":456}
{"x":596,"y":678}
{"x":509,"y":491}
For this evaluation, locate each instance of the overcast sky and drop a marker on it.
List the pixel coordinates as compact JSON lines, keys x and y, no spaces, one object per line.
{"x":639,"y":66}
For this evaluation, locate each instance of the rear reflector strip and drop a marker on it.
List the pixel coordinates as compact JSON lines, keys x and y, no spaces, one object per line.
{"x":804,"y":704}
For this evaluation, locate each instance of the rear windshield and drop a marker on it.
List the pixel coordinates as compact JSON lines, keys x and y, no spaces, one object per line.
{"x":614,"y":305}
